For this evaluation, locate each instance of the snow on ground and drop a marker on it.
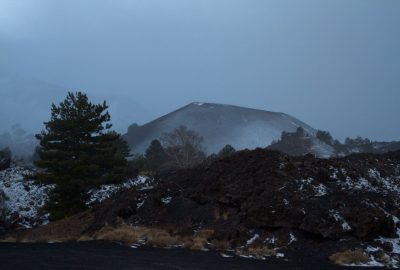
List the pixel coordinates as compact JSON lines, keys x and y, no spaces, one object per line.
{"x":106,"y":191}
{"x":320,"y":190}
{"x":304,"y":183}
{"x":371,"y":263}
{"x":372,"y":182}
{"x":226,"y":255}
{"x":166,"y":200}
{"x":292,"y":238}
{"x":25,"y":198}
{"x":251,"y":240}
{"x":395,"y":244}
{"x":335,"y":214}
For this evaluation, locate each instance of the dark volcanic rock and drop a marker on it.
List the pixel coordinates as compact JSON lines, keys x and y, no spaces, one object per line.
{"x":3,"y":211}
{"x":355,"y":196}
{"x":268,"y":199}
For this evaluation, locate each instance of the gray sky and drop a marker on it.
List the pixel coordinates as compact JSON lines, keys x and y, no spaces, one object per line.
{"x":333,"y":64}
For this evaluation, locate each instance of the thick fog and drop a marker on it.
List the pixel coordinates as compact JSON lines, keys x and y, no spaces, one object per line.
{"x":332,"y":64}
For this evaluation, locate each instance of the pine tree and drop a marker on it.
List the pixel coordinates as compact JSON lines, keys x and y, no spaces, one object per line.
{"x":77,"y":152}
{"x":155,"y":156}
{"x":226,"y":151}
{"x":325,"y":136}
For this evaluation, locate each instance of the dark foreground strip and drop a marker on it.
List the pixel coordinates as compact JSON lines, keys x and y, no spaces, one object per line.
{"x":101,"y":255}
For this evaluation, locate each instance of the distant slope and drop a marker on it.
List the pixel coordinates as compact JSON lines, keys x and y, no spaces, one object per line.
{"x":26,"y":102}
{"x":304,"y":145}
{"x":24,"y":106}
{"x":219,"y":125}
{"x":296,"y":144}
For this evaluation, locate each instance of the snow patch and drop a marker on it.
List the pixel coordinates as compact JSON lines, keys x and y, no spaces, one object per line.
{"x":285,"y":201}
{"x":106,"y":191}
{"x":166,"y":200}
{"x":345,"y":226}
{"x":320,"y":190}
{"x":253,"y":239}
{"x":292,"y":238}
{"x":226,"y":255}
{"x":280,"y":255}
{"x":24,"y":197}
{"x":305,"y":182}
{"x":139,"y":204}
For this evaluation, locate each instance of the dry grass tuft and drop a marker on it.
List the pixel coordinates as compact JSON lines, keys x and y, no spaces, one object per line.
{"x":130,"y":235}
{"x":221,"y":244}
{"x":152,"y":236}
{"x":85,"y":238}
{"x":384,"y":258}
{"x":219,"y":213}
{"x":200,"y":239}
{"x":257,"y":252}
{"x":161,"y":238}
{"x":125,"y":234}
{"x":8,"y":239}
{"x":199,"y":243}
{"x":349,"y":257}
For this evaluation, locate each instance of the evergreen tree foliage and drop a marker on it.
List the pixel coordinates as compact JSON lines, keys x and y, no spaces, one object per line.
{"x":5,"y":158}
{"x":138,"y":164}
{"x":227,"y":150}
{"x":325,"y":136}
{"x":3,"y":207}
{"x":155,"y":156}
{"x":123,"y":147}
{"x":358,"y":141}
{"x":300,"y":133}
{"x":77,"y":151}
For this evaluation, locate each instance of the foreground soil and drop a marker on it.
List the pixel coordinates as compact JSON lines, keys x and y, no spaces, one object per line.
{"x":102,"y":255}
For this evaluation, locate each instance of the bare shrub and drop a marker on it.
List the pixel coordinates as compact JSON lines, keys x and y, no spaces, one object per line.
{"x":183,"y":148}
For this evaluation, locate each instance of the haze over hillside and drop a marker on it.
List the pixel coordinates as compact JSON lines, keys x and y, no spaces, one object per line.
{"x":340,"y":75}
{"x":25,"y":104}
{"x":219,"y":125}
{"x":28,"y":101}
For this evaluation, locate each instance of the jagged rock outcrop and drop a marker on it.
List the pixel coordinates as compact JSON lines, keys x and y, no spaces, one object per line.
{"x":352,"y":201}
{"x":265,"y":198}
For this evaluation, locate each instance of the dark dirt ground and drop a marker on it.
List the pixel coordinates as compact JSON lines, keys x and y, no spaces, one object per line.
{"x":102,"y":255}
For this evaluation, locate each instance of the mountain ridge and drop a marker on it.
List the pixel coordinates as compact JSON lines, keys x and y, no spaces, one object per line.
{"x":218,"y":124}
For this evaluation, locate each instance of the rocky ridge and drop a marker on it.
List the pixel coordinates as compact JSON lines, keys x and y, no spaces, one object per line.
{"x":260,"y":203}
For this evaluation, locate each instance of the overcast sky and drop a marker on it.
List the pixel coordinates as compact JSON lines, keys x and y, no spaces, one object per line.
{"x":333,"y":64}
